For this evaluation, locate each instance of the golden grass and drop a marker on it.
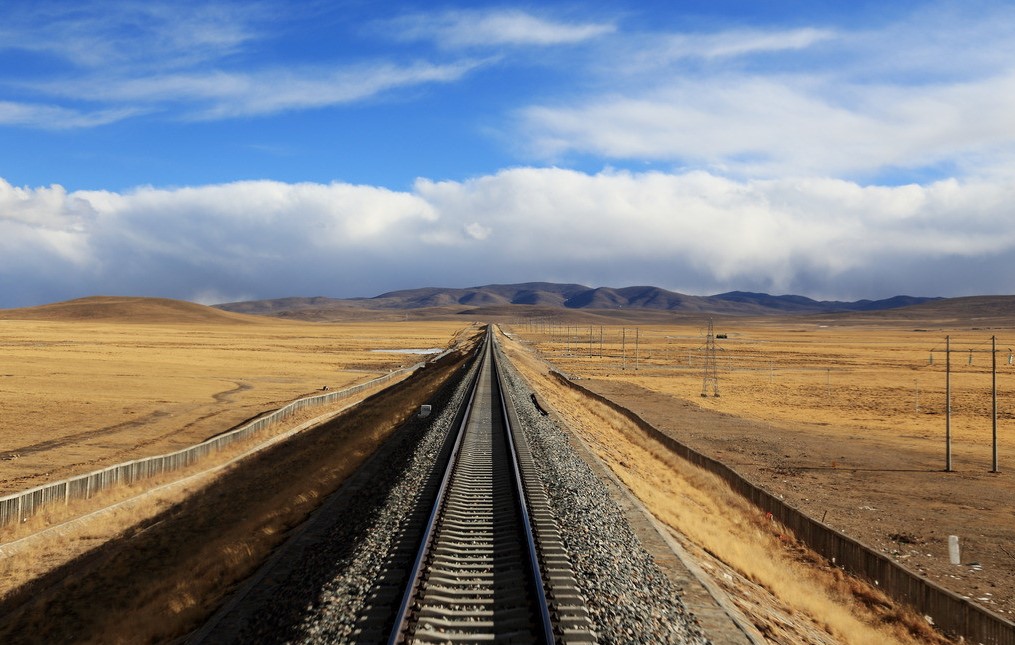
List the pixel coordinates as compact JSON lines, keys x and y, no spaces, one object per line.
{"x":71,"y":383}
{"x":55,"y":538}
{"x":710,"y":515}
{"x":79,"y":395}
{"x":877,"y":381}
{"x":843,"y":418}
{"x":160,"y":579}
{"x":61,"y":533}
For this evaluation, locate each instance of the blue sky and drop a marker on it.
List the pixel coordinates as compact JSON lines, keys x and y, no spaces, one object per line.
{"x":218,"y":151}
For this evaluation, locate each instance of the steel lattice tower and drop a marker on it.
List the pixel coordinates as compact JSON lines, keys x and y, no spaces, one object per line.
{"x":711,"y":371}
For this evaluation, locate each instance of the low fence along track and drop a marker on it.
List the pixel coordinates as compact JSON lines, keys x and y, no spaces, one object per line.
{"x":490,"y":564}
{"x":21,"y":506}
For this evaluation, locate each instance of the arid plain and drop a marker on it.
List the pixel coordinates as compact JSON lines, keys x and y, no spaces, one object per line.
{"x":843,"y":416}
{"x":101,"y":381}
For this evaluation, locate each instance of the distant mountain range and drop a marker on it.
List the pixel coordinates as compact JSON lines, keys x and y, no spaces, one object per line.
{"x":508,"y":299}
{"x":637,"y":305}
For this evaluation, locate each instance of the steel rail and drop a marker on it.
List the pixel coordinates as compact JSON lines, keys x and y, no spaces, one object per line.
{"x":426,"y":543}
{"x":530,"y":540}
{"x":538,"y":625}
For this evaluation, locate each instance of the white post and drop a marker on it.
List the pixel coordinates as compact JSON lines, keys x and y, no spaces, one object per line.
{"x":953,"y":549}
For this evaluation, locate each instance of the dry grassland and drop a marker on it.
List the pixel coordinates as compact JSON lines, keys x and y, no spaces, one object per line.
{"x":845,"y":421}
{"x":784,"y":590}
{"x":163,"y":576}
{"x":877,"y":381}
{"x":79,"y":394}
{"x":59,"y":534}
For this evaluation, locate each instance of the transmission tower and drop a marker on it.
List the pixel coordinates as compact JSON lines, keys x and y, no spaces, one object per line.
{"x":711,"y":377}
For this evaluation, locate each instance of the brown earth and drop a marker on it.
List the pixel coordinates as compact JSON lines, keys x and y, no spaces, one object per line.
{"x":843,"y":420}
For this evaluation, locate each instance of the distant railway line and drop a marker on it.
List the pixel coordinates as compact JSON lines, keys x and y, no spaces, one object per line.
{"x":491,"y":552}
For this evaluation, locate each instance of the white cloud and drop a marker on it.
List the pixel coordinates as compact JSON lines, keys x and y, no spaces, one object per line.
{"x":777,"y":127}
{"x":135,"y":35}
{"x":815,"y":236}
{"x":217,"y":94}
{"x":477,"y":231}
{"x":455,"y":29}
{"x":932,"y":90}
{"x":195,"y":61}
{"x":735,"y":43}
{"x":54,"y":117}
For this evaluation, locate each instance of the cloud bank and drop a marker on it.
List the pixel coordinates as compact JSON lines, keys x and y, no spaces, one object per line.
{"x":695,"y":232}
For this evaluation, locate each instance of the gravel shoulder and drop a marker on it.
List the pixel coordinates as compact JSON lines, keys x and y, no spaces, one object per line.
{"x":636,"y":591}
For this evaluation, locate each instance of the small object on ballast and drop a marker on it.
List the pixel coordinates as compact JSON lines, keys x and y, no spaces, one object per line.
{"x":535,"y":402}
{"x":424,"y":411}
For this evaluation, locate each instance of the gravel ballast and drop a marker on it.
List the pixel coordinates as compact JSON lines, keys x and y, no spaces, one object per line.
{"x":629,"y":598}
{"x":320,"y":587}
{"x":335,"y":584}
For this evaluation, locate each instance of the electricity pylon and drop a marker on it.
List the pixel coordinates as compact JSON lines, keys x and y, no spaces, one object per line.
{"x":711,"y":371}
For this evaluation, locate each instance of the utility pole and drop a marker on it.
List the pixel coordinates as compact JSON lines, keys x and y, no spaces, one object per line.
{"x":637,"y":331}
{"x":993,"y":400}
{"x":711,"y":376}
{"x":948,"y":404}
{"x":948,"y":397}
{"x":623,"y":348}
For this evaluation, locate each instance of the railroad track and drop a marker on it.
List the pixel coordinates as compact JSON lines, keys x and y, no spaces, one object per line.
{"x":490,"y":565}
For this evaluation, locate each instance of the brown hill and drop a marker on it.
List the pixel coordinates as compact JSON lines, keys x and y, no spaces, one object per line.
{"x":549,"y":299}
{"x":975,"y":311}
{"x":130,"y":310}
